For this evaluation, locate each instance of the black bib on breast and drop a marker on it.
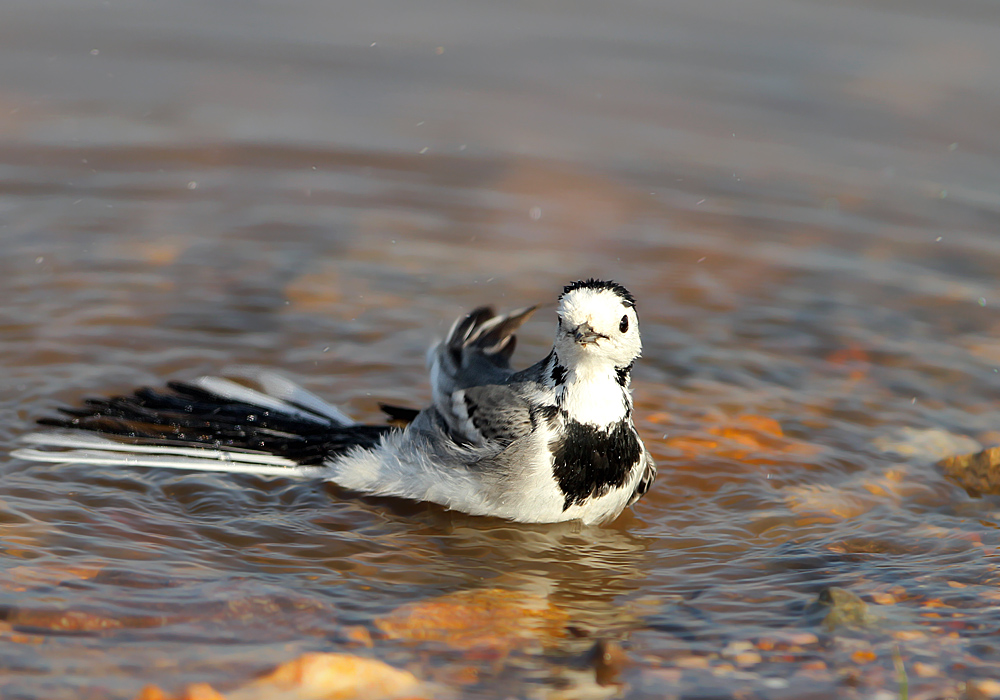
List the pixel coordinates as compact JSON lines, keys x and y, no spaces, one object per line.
{"x":590,"y":462}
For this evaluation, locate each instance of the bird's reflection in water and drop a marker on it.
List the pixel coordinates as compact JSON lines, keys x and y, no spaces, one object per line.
{"x":588,"y":571}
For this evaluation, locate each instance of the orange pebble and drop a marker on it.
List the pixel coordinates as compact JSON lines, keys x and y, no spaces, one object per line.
{"x":863,"y":657}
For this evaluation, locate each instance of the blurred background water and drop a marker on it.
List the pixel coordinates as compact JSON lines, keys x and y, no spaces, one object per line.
{"x":803,"y":196}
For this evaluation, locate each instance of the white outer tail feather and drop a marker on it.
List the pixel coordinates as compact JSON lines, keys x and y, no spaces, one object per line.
{"x":288,"y":392}
{"x":69,"y":440}
{"x":83,"y":448}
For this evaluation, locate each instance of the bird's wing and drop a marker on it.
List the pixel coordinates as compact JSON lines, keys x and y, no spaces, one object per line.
{"x":475,"y":354}
{"x":491,"y":415}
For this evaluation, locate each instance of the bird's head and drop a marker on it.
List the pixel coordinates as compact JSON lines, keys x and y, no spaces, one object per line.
{"x":597,"y":325}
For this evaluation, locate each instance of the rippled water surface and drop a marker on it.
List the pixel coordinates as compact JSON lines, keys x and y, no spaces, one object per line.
{"x":802,"y":195}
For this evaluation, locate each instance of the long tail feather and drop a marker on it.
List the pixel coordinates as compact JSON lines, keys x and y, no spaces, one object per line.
{"x":284,"y":389}
{"x":404,"y":414}
{"x":237,"y":393}
{"x":210,"y":424}
{"x":80,"y":448}
{"x":68,"y":440}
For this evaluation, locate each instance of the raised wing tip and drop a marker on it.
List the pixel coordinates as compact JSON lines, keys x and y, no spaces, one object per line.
{"x":524,"y":312}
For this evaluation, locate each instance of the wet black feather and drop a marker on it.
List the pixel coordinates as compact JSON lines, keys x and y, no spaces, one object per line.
{"x":186,"y":415}
{"x":401,"y":413}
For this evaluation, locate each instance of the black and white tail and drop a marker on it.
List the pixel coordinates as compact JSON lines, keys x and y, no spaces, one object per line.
{"x":209,"y":424}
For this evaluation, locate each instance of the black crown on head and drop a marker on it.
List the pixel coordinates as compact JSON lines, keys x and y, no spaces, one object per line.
{"x":622,"y":293}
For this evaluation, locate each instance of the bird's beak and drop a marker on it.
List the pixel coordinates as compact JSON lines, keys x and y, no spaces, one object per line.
{"x":585,"y":334}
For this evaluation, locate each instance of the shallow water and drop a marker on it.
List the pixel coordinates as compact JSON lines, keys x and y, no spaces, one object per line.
{"x":803,"y":196}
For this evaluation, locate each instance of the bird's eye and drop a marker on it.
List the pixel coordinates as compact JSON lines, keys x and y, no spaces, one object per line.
{"x":623,"y":326}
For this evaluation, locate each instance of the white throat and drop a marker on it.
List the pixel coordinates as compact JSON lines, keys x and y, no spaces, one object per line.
{"x":591,"y":394}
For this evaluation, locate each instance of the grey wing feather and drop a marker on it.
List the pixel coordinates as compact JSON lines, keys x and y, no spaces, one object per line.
{"x":493,"y":414}
{"x":476,"y":353}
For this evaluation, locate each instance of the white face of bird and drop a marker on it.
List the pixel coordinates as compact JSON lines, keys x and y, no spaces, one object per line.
{"x":597,"y":325}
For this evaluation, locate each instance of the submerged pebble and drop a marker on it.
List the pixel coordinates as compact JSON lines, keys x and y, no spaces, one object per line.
{"x":925,"y":443}
{"x":978,"y":473}
{"x":841,"y":609}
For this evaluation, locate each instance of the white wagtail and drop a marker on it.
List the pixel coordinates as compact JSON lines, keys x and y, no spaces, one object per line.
{"x":550,"y":443}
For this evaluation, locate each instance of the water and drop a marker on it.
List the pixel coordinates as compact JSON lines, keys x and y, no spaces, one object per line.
{"x":803,"y":197}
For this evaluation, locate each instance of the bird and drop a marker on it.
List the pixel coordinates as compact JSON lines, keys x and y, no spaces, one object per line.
{"x":551,"y":443}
